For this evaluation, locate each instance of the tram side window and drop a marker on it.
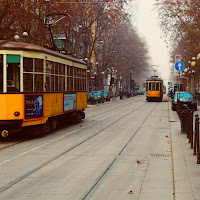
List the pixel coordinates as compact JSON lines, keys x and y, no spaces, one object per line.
{"x":1,"y":73}
{"x":76,"y":79}
{"x":69,"y":78}
{"x":61,"y":77}
{"x":38,"y":75}
{"x":56,"y":76}
{"x":47,"y":84}
{"x":56,"y":83}
{"x":62,"y":83}
{"x":39,"y":65}
{"x":69,"y":84}
{"x":28,"y":77}
{"x":28,"y":82}
{"x":84,"y":79}
{"x":38,"y":82}
{"x":52,"y":83}
{"x":28,"y":64}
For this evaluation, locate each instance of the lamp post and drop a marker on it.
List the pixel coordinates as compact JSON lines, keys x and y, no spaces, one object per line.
{"x":131,"y":82}
{"x":184,"y":74}
{"x":120,"y":88}
{"x":193,"y":63}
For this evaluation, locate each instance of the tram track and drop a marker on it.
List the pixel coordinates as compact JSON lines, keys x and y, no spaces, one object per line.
{"x":13,"y":182}
{"x":107,"y":111}
{"x":121,"y":108}
{"x":100,"y":179}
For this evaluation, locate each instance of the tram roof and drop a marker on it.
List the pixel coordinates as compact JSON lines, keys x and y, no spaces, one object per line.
{"x":154,"y":78}
{"x":10,"y":45}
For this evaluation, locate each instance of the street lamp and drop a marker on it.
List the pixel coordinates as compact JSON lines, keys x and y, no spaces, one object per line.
{"x":192,"y":72}
{"x":198,"y":56}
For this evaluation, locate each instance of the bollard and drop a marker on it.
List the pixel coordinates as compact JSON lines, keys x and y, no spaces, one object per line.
{"x":197,"y":143}
{"x":191,"y":129}
{"x":195,"y":133}
{"x":186,"y":124}
{"x":183,"y":118}
{"x":188,"y":120}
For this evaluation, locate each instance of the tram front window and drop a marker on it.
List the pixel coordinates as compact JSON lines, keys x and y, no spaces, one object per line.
{"x":153,"y":86}
{"x":13,"y":77}
{"x":157,"y":86}
{"x":1,"y":73}
{"x":149,"y":86}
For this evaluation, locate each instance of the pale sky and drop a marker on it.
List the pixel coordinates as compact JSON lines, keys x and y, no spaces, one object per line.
{"x":146,"y":21}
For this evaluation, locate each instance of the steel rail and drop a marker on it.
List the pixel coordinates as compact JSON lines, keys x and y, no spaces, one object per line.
{"x":10,"y":184}
{"x":112,"y":164}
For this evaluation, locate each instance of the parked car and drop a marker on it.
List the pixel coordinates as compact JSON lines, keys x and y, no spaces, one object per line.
{"x":186,"y":98}
{"x":106,"y":94}
{"x":95,"y":97}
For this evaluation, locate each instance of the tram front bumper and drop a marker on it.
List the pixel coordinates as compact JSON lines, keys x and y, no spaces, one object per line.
{"x":11,"y":125}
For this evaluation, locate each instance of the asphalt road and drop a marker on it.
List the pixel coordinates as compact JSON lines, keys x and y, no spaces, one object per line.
{"x":120,"y":151}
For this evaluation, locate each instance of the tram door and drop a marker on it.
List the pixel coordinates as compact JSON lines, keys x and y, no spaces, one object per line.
{"x":13,"y":73}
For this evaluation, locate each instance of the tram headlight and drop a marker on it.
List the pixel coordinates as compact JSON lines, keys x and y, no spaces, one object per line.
{"x":17,"y":113}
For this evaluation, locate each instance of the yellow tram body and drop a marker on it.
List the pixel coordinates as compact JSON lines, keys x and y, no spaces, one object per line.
{"x":38,"y":86}
{"x":154,"y":89}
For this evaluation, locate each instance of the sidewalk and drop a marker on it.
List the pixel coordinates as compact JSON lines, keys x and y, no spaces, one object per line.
{"x":186,"y":169}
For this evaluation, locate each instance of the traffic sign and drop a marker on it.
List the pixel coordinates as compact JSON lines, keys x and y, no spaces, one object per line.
{"x":177,"y":58}
{"x":169,"y":83}
{"x":187,"y":79}
{"x":180,"y":66}
{"x":92,"y":76}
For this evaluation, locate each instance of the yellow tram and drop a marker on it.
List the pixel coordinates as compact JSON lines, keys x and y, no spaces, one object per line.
{"x":39,"y":87}
{"x":154,"y":89}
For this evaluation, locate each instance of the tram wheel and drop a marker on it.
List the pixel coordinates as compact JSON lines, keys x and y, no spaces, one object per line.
{"x":46,"y":128}
{"x":78,"y":117}
{"x":54,"y":124}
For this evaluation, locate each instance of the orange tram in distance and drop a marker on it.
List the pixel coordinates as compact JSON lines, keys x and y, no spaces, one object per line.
{"x":154,"y":89}
{"x":39,"y":88}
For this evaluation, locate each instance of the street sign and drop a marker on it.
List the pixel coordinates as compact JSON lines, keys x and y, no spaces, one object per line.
{"x":93,"y":77}
{"x":177,"y":58}
{"x":169,"y":83}
{"x":180,"y":66}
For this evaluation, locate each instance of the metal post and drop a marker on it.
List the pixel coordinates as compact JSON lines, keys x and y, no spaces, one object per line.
{"x":195,"y":133}
{"x":188,"y":120}
{"x":191,"y":128}
{"x":197,"y":138}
